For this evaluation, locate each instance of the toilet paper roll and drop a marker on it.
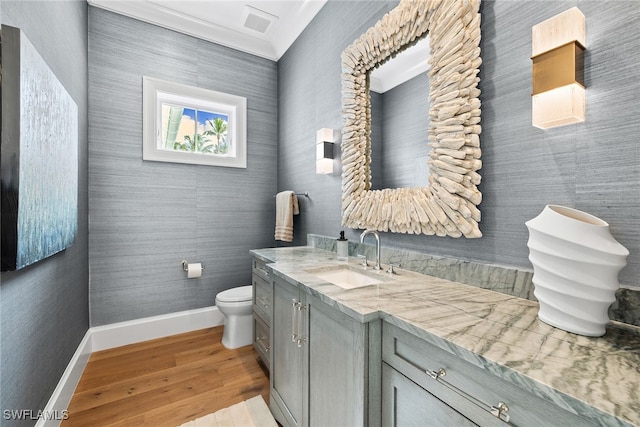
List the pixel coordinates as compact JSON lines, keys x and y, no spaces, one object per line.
{"x":194,"y":270}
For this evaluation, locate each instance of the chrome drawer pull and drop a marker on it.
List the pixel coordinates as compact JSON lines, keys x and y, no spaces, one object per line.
{"x":263,"y":302}
{"x":437,"y":374}
{"x":499,"y":411}
{"x":261,"y":341}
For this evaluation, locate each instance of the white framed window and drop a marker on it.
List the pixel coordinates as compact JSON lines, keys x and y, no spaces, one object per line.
{"x":187,"y":124}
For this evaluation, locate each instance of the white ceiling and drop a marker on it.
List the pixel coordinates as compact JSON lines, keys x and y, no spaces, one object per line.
{"x":406,"y":65}
{"x":227,"y":22}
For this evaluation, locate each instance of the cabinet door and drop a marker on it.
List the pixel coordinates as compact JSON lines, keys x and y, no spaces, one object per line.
{"x":404,"y":403}
{"x":287,"y":358}
{"x":337,"y":368}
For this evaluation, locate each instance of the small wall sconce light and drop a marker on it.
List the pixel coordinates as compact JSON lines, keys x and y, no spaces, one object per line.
{"x":559,"y":96}
{"x":325,"y":138}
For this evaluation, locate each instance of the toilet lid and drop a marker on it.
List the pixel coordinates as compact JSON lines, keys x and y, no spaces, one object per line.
{"x":242,"y":293}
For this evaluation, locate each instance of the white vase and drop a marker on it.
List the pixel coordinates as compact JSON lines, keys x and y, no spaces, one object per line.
{"x":576,"y":263}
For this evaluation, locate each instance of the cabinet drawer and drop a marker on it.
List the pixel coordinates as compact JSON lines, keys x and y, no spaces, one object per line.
{"x":261,"y":340}
{"x":259,"y":268}
{"x":262,"y":297}
{"x":404,"y":403}
{"x":469,"y":389}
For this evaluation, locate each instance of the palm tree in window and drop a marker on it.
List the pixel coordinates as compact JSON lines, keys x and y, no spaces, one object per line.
{"x":197,"y":144}
{"x":218,"y":129}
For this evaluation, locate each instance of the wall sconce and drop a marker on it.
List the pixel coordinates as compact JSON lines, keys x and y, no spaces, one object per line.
{"x":325,"y":138}
{"x":559,"y":96}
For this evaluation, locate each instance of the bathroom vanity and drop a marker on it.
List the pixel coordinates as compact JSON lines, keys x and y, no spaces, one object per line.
{"x":412,"y":348}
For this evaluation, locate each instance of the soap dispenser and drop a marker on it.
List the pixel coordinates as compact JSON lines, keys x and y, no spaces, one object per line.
{"x":343,"y":248}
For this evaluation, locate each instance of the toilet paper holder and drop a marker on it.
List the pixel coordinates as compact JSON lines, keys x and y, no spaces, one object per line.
{"x":185,"y":265}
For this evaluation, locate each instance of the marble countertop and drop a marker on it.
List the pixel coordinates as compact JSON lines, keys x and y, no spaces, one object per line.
{"x":598,"y":378}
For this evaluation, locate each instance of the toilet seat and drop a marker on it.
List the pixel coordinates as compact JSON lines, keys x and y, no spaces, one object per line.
{"x":239,"y":294}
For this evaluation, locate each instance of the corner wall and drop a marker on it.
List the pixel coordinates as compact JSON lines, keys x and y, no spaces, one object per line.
{"x":44,"y":307}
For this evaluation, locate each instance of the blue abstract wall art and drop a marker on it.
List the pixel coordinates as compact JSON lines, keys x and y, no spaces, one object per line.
{"x":39,"y":163}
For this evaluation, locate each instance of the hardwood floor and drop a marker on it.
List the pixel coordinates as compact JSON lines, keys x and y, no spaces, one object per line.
{"x":165,"y":382}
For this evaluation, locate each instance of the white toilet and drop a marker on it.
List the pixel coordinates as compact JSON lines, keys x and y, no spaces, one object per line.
{"x":235,"y":304}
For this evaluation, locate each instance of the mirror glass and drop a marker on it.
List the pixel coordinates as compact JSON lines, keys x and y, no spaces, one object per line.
{"x":447,"y":206}
{"x":399,"y":91}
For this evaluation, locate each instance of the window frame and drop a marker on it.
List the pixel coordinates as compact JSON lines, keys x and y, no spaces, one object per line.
{"x":154,"y":91}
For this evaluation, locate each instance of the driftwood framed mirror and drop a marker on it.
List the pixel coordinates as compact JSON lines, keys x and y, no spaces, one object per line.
{"x":448,"y":205}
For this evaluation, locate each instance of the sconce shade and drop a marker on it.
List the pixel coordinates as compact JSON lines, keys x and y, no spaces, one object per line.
{"x":558,"y":30}
{"x":558,"y":107}
{"x":326,"y":134}
{"x":324,"y":166}
{"x":559,"y":96}
{"x":325,"y":139}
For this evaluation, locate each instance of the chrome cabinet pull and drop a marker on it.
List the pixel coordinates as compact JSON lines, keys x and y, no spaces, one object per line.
{"x":301,"y":339}
{"x":294,"y":321}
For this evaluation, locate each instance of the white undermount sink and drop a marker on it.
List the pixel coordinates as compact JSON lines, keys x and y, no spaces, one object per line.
{"x":346,"y":277}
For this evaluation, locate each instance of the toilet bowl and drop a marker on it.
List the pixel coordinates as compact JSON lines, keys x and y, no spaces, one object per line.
{"x":235,"y":305}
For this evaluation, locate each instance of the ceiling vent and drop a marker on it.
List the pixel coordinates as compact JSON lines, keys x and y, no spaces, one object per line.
{"x":257,"y":20}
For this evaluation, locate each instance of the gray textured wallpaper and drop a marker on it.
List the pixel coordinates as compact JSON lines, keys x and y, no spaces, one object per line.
{"x":146,"y":217}
{"x":44,"y":307}
{"x":593,"y":166}
{"x":405,"y":134}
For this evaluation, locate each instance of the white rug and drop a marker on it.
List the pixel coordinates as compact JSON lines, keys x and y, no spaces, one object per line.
{"x":250,"y":413}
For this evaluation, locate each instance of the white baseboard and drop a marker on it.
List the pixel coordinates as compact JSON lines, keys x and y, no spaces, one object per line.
{"x":63,"y":392}
{"x":133,"y":331}
{"x":116,"y":335}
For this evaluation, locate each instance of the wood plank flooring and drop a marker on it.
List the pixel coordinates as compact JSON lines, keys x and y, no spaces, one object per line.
{"x":165,"y":382}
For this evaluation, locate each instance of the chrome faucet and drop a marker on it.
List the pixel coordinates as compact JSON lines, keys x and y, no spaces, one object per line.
{"x":377,"y":236}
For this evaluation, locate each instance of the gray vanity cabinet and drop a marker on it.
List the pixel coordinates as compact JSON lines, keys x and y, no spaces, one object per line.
{"x":318,"y":365}
{"x":425,"y":385}
{"x":262,"y":295}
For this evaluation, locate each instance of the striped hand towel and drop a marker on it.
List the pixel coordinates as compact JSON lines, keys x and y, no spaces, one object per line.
{"x":286,"y":208}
